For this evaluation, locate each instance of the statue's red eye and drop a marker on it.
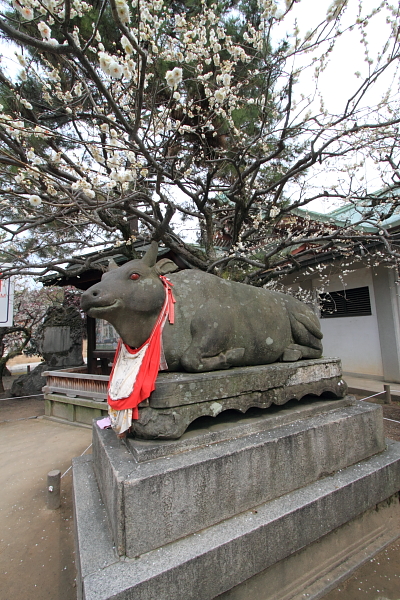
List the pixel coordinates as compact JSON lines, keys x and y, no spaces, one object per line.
{"x":135,"y":276}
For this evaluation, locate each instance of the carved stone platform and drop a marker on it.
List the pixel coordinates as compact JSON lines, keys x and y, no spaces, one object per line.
{"x":180,"y":398}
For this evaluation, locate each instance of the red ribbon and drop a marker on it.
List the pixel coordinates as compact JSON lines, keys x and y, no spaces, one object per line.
{"x":170,"y":296}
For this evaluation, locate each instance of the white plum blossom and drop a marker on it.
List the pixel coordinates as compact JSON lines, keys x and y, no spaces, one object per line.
{"x":54,"y":75}
{"x":110,"y":65}
{"x":123,"y":175}
{"x":45,"y":30}
{"x":35,"y":201}
{"x":115,"y":70}
{"x":274,"y":211}
{"x":21,"y":59}
{"x":75,"y":35}
{"x":127,"y":72}
{"x":220,"y":96}
{"x":114,"y":160}
{"x":174,"y":77}
{"x":20,"y":177}
{"x":145,"y":15}
{"x":127,"y":46}
{"x":123,"y":10}
{"x":50,"y":4}
{"x":26,"y":103}
{"x":25,"y":11}
{"x":110,"y":184}
{"x":180,"y":22}
{"x":85,"y":186}
{"x":105,"y":61}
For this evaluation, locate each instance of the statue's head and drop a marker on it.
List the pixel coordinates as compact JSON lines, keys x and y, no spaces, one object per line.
{"x":129,"y":293}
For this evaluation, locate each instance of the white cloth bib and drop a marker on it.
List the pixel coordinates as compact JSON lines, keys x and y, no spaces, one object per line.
{"x":125,"y":372}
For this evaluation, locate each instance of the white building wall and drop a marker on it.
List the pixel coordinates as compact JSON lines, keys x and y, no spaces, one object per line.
{"x":353,"y":339}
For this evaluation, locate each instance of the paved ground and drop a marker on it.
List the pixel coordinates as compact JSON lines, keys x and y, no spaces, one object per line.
{"x":36,"y":544}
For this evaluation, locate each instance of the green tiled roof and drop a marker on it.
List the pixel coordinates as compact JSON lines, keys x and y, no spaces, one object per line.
{"x":351,"y":214}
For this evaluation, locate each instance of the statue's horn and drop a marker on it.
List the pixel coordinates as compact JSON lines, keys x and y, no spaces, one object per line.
{"x":112,"y":264}
{"x":150,"y":258}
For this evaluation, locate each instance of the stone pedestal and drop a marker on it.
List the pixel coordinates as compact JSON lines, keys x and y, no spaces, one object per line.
{"x":181,"y":398}
{"x":271,"y":505}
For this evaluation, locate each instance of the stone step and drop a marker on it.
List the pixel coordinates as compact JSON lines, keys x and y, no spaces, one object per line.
{"x":296,"y":540}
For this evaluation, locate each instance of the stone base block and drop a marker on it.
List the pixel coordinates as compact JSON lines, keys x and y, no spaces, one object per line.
{"x":296,"y":540}
{"x":155,"y":502}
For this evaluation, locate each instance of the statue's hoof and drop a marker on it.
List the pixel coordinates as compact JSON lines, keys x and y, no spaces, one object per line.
{"x":234,"y":357}
{"x":291,"y":355}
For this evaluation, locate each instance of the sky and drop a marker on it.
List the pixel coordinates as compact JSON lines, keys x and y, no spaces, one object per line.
{"x":339,"y":81}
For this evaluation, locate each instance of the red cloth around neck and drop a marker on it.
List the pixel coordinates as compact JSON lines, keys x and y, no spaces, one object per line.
{"x":145,"y":382}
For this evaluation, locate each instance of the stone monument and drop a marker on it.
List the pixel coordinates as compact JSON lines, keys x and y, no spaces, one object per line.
{"x":59,"y":341}
{"x":276,"y":504}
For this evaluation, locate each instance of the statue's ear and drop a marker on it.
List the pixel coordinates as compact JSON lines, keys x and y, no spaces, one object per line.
{"x":112,"y":264}
{"x":165,"y":266}
{"x":149,"y":259}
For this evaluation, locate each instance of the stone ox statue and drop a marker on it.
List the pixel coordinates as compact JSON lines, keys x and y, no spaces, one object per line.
{"x":218,"y":323}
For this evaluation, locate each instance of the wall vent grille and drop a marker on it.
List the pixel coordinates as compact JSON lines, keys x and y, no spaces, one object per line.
{"x":345,"y":303}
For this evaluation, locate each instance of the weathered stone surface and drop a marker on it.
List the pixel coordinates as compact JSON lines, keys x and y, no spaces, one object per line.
{"x":233,"y":425}
{"x":56,"y":339}
{"x":218,"y":323}
{"x":60,"y":337}
{"x":91,"y":532}
{"x":320,"y":567}
{"x":217,"y":559}
{"x":31,"y":383}
{"x":180,"y":398}
{"x":60,"y":344}
{"x":178,"y":389}
{"x":195,"y":489}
